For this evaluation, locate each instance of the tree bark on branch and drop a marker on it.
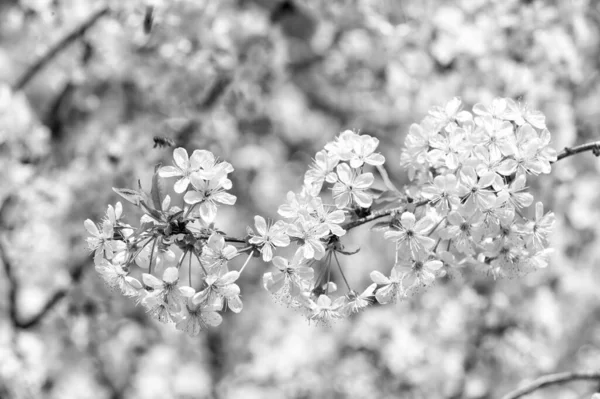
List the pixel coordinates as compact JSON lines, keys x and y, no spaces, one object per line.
{"x":62,"y":44}
{"x":553,"y":379}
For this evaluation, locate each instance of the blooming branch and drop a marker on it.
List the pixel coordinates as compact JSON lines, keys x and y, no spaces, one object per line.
{"x":466,"y":205}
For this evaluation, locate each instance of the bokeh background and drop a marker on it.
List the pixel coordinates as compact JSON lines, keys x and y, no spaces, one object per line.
{"x":264,"y":84}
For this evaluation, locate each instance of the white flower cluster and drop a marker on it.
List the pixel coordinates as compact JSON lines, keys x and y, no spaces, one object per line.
{"x":467,"y":205}
{"x":165,"y":230}
{"x":316,"y":227}
{"x":208,"y":178}
{"x":469,"y":174}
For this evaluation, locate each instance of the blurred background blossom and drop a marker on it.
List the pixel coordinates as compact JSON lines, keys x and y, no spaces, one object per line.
{"x":264,"y":84}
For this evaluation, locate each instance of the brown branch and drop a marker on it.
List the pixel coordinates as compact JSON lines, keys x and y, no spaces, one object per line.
{"x":62,"y":44}
{"x":39,"y":316}
{"x":568,"y":151}
{"x":379,"y":214}
{"x":76,"y":273}
{"x":13,"y":284}
{"x":553,"y":379}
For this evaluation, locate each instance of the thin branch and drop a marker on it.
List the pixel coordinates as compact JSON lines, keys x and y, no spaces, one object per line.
{"x":379,"y":214}
{"x":373,"y":216}
{"x":46,"y":308}
{"x":62,"y":44}
{"x":215,"y":92}
{"x":76,"y":273}
{"x":553,"y":379}
{"x":568,"y":151}
{"x":235,"y":240}
{"x":594,"y":147}
{"x":13,"y":285}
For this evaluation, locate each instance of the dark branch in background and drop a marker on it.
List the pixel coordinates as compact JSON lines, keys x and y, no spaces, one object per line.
{"x":12,"y":284}
{"x":215,"y":92}
{"x":58,"y":47}
{"x":56,"y":115}
{"x":568,"y":151}
{"x":183,"y":136}
{"x":553,"y":379}
{"x":76,"y":273}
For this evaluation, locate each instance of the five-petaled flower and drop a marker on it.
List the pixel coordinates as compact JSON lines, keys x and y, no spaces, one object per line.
{"x":183,"y":167}
{"x":389,"y":288}
{"x":220,"y":290}
{"x":290,"y":279}
{"x":411,"y":236}
{"x":168,"y":289}
{"x":103,"y":242}
{"x":196,"y":318}
{"x":269,"y":236}
{"x":208,"y":193}
{"x":352,"y":188}
{"x":418,"y":270}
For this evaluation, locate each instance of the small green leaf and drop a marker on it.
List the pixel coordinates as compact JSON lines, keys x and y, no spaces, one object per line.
{"x":386,"y":198}
{"x":158,"y":189}
{"x":145,"y":196}
{"x":389,"y":196}
{"x":130,"y":195}
{"x":157,"y":215}
{"x":380,"y":226}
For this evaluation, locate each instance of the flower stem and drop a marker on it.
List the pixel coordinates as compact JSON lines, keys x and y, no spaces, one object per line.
{"x":436,"y":226}
{"x":247,"y":261}
{"x":328,"y":277}
{"x":190,"y":269}
{"x":322,"y":272}
{"x":341,"y":271}
{"x":152,"y":255}
{"x":436,"y":245}
{"x":200,"y":262}
{"x":132,"y":258}
{"x":180,"y":262}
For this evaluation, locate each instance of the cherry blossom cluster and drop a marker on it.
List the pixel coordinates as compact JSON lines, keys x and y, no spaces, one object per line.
{"x":469,"y":173}
{"x":173,"y":245}
{"x":316,"y":227}
{"x":467,"y":205}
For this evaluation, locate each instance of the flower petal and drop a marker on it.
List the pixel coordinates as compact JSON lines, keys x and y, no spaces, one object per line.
{"x":408,"y":220}
{"x":261,"y":225}
{"x":193,"y":197}
{"x":169,"y":171}
{"x":180,"y":156}
{"x":171,"y":275}
{"x":344,"y":173}
{"x":379,"y":278}
{"x":181,"y":185}
{"x":364,"y":181}
{"x":91,"y":228}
